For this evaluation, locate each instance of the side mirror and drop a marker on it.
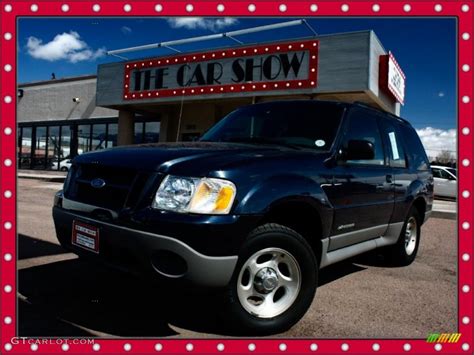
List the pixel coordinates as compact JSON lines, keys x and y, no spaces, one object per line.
{"x":358,"y":150}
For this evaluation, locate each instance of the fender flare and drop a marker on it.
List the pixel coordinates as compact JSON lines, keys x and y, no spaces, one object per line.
{"x":288,"y":188}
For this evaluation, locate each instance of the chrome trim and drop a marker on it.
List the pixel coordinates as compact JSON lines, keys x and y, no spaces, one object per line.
{"x":97,"y":183}
{"x":346,"y":226}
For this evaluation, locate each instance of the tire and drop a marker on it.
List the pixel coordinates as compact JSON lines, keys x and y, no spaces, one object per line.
{"x":64,"y":168}
{"x":277,"y":251}
{"x":404,"y":252}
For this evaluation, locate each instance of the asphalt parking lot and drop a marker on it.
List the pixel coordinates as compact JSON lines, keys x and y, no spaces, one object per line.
{"x":60,"y":295}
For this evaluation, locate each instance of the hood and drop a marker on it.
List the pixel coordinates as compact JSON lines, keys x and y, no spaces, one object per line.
{"x":199,"y":157}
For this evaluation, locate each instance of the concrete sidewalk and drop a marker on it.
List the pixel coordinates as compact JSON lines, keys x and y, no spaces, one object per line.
{"x":444,"y":209}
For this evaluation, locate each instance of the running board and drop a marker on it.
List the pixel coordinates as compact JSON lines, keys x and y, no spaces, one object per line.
{"x":331,"y":257}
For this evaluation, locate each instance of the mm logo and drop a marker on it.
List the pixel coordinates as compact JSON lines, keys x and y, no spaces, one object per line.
{"x":443,"y":338}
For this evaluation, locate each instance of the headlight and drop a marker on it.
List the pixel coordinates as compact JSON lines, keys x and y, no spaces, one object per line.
{"x":195,"y":195}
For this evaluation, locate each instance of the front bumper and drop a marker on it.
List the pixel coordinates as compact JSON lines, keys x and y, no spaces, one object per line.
{"x":138,"y":250}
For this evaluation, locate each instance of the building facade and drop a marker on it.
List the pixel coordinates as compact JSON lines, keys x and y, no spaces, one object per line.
{"x":58,"y":119}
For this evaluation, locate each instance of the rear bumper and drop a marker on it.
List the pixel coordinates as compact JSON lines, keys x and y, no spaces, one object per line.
{"x":137,"y":250}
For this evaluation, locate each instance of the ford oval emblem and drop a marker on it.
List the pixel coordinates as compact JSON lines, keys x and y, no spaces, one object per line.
{"x":97,"y":183}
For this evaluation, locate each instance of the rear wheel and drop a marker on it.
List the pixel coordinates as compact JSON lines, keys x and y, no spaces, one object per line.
{"x":274,"y":282}
{"x":404,"y":252}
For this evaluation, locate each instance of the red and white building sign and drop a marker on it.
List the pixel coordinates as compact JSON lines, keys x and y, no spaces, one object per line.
{"x":279,"y":66}
{"x":392,"y":79}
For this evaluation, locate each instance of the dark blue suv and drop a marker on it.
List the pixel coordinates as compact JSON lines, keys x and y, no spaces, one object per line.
{"x":268,"y":196}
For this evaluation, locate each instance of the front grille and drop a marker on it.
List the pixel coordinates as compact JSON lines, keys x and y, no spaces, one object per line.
{"x":113,"y":195}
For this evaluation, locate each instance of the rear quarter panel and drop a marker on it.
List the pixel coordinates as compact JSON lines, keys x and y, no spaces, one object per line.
{"x":410,"y":185}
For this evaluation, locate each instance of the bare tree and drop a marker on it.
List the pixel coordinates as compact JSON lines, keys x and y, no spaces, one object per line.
{"x":444,"y":157}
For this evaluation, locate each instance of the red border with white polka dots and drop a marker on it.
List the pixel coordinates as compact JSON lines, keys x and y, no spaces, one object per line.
{"x":10,"y":10}
{"x":242,"y":52}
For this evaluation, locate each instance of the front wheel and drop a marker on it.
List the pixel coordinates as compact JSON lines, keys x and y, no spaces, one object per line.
{"x":274,"y":282}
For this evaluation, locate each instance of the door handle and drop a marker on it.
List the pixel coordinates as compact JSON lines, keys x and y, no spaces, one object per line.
{"x":389,"y":178}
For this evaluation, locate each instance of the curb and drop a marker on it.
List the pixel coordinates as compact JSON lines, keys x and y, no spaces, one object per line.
{"x":444,"y":214}
{"x":50,"y":178}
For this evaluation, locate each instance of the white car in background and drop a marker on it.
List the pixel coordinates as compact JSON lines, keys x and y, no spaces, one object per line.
{"x":64,"y":165}
{"x":445,"y":181}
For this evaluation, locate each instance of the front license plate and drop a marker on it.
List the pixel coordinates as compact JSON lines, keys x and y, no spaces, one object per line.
{"x":85,"y":236}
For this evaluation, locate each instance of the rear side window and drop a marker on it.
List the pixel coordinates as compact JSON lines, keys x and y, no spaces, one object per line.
{"x":393,"y":141}
{"x":452,"y":171}
{"x":416,"y":152}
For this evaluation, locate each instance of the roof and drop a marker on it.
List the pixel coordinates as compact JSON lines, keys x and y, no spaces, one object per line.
{"x":57,"y":81}
{"x":442,"y":167}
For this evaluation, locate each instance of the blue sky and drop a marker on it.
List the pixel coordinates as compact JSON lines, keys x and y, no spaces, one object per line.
{"x":425,"y":49}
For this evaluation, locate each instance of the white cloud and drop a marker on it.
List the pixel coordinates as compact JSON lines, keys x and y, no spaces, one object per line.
{"x":126,"y":30}
{"x":436,"y":140}
{"x":192,"y":23}
{"x":64,"y":46}
{"x":440,"y":94}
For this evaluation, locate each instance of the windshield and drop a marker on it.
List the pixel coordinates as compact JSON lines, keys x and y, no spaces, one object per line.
{"x":304,"y":124}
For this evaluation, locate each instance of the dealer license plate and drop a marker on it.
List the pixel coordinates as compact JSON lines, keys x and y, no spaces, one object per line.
{"x":85,"y":236}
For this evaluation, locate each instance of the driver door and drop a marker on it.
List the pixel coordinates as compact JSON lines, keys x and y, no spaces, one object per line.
{"x":361,"y":191}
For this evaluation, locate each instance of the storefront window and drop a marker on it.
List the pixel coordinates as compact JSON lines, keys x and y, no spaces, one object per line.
{"x":152,"y":132}
{"x":39,"y":149}
{"x":112,"y":135}
{"x":138,"y":133}
{"x":52,"y":157}
{"x":25,"y":154}
{"x":98,"y":136}
{"x":65,"y":150}
{"x":52,"y":147}
{"x":83,"y":138}
{"x":18,"y":140}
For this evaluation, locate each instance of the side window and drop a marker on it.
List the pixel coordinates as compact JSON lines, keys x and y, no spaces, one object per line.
{"x":445,"y":175}
{"x":416,"y":152}
{"x":393,"y":141}
{"x":363,"y":126}
{"x":436,"y":172}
